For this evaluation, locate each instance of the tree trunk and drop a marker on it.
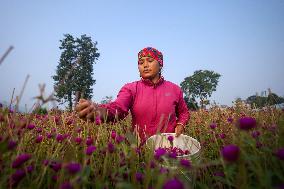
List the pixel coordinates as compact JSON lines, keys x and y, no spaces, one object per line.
{"x":70,"y":101}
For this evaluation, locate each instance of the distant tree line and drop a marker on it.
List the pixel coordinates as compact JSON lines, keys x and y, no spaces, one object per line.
{"x":262,"y":101}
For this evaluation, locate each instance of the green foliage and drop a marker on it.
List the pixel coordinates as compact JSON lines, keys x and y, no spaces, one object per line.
{"x":261,"y":101}
{"x":106,"y":99}
{"x":40,"y":111}
{"x":75,"y":69}
{"x":200,"y":85}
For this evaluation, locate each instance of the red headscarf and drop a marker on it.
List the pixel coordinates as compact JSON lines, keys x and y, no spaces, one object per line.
{"x":151,"y":52}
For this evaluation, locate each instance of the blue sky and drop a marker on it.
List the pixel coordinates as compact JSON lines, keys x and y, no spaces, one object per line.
{"x":241,"y":40}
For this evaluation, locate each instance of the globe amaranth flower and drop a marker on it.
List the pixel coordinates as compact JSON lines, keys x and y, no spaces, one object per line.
{"x":139,"y":176}
{"x":213,"y":125}
{"x":20,"y":160}
{"x":73,"y":168}
{"x":173,"y":184}
{"x":119,"y":139}
{"x":113,"y":134}
{"x":111,"y":147}
{"x":170,"y":138}
{"x":56,"y":166}
{"x":39,"y":139}
{"x":89,"y":141}
{"x":11,"y":145}
{"x":17,"y":176}
{"x":247,"y":123}
{"x":66,"y":185}
{"x":280,"y":153}
{"x":59,"y":138}
{"x":78,"y":140}
{"x":90,"y":150}
{"x":255,"y":134}
{"x":230,"y":152}
{"x":185,"y":163}
{"x":159,"y":152}
{"x":31,"y":126}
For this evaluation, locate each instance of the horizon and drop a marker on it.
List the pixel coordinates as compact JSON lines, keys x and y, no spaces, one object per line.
{"x":243,"y":41}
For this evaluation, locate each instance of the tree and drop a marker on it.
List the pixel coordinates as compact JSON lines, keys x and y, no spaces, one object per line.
{"x":106,"y":99}
{"x":75,"y":69}
{"x":200,"y":85}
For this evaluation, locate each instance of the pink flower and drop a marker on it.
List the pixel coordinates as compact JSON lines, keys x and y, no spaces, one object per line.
{"x":186,"y":163}
{"x":173,"y":184}
{"x":231,"y":152}
{"x":90,"y":150}
{"x":113,"y":134}
{"x":73,"y":168}
{"x":170,"y":138}
{"x":247,"y":123}
{"x":39,"y":139}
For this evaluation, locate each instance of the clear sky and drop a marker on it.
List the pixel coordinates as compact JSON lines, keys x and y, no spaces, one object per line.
{"x":240,"y":39}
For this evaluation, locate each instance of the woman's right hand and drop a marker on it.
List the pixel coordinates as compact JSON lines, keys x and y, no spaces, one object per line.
{"x":85,"y":109}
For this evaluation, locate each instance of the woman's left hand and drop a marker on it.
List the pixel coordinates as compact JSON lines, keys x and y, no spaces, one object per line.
{"x":179,"y":130}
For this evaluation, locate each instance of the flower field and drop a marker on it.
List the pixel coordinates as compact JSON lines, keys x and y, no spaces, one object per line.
{"x":240,"y":148}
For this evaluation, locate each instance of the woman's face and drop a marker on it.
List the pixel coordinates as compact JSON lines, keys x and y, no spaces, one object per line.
{"x":149,"y":68}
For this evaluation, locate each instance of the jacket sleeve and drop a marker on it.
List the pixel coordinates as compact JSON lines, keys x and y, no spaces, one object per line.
{"x":182,"y":111}
{"x":119,"y":108}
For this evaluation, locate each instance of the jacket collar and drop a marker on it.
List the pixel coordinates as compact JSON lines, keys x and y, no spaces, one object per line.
{"x":150,"y":83}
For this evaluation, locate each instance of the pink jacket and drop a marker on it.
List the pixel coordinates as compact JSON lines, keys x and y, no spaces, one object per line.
{"x":154,"y":107}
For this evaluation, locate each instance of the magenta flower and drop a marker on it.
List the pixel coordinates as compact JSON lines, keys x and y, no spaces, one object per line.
{"x":17,"y":176}
{"x":30,"y":168}
{"x":255,"y":134}
{"x":31,"y":126}
{"x":173,"y":184}
{"x":139,"y":177}
{"x":119,"y":139}
{"x":230,"y":120}
{"x":159,"y":152}
{"x":11,"y":145}
{"x":49,"y":135}
{"x":213,"y":125}
{"x":170,"y":138}
{"x":45,"y":162}
{"x":78,"y":140}
{"x":59,"y":138}
{"x":172,"y":154}
{"x":20,"y":160}
{"x":111,"y":147}
{"x":280,"y":153}
{"x":39,"y":129}
{"x":90,"y":150}
{"x":163,"y":170}
{"x":247,"y":123}
{"x":185,"y":162}
{"x":219,"y":174}
{"x":222,"y":136}
{"x":69,"y":121}
{"x":89,"y":141}
{"x":73,"y":168}
{"x":56,"y":166}
{"x":39,"y":139}
{"x":113,"y":134}
{"x":231,"y":152}
{"x":66,"y":185}
{"x":152,"y":164}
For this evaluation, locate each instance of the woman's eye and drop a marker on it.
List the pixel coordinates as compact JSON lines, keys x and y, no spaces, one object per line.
{"x":150,"y":59}
{"x":140,"y":61}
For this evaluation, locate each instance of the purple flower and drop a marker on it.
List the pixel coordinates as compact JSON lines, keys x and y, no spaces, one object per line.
{"x":159,"y":152}
{"x":280,"y":153}
{"x":39,"y":129}
{"x":11,"y":145}
{"x":90,"y":149}
{"x":255,"y":134}
{"x":186,"y":163}
{"x":59,"y":138}
{"x":31,"y":126}
{"x":170,"y":138}
{"x":30,"y":168}
{"x":39,"y":139}
{"x":89,"y":141}
{"x":73,"y":168}
{"x":20,"y":160}
{"x":66,"y":185}
{"x":49,"y":135}
{"x":222,"y":136}
{"x":152,"y":164}
{"x":230,"y":120}
{"x":119,"y":139}
{"x":231,"y":152}
{"x":55,"y":166}
{"x":247,"y":123}
{"x":69,"y":122}
{"x":113,"y":134}
{"x":78,"y":140}
{"x":139,"y":177}
{"x":18,"y":176}
{"x":219,"y":174}
{"x":163,"y":170}
{"x":45,"y":162}
{"x":213,"y":125}
{"x":172,"y":155}
{"x":110,"y":147}
{"x":173,"y":184}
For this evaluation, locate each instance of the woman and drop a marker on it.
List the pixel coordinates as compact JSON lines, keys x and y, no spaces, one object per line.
{"x":156,"y":105}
